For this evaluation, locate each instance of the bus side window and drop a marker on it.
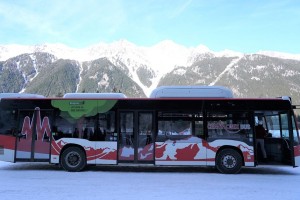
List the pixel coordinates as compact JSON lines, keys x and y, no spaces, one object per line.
{"x":228,"y":124}
{"x":199,"y":129}
{"x":8,"y":122}
{"x":295,"y":132}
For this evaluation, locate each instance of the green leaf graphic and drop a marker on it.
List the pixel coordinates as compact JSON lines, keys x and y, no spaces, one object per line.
{"x":79,"y":108}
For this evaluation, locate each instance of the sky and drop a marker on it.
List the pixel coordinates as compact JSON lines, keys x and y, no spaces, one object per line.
{"x":246,"y":26}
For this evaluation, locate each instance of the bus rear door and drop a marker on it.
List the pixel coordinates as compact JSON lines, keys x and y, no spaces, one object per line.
{"x":34,"y":136}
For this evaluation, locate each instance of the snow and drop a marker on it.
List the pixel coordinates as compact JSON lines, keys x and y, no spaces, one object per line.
{"x":165,"y":55}
{"x":280,"y":55}
{"x":255,"y":78}
{"x":180,"y":72}
{"x":227,"y":69}
{"x":260,"y":67}
{"x":289,"y":73}
{"x":94,"y":76}
{"x":228,"y":53}
{"x":104,"y":81}
{"x":33,"y":58}
{"x":162,"y":58}
{"x":80,"y":73}
{"x":12,"y":50}
{"x":37,"y":181}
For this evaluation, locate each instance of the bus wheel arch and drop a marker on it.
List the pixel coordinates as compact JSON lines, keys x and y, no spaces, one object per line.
{"x":229,"y":160}
{"x":73,"y":158}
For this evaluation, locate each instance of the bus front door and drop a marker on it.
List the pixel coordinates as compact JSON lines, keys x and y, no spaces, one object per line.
{"x":136,"y":143}
{"x":34,"y":136}
{"x":295,"y":137}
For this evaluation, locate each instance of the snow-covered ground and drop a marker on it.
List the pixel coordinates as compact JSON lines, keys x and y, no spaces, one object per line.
{"x":36,"y":181}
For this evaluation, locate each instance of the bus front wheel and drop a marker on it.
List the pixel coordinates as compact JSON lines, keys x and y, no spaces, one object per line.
{"x":229,"y":161}
{"x":73,"y":159}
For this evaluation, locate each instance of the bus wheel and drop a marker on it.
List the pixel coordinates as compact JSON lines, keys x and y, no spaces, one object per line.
{"x":73,"y":159}
{"x":229,"y":161}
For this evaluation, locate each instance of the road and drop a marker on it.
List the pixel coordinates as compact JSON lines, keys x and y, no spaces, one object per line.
{"x":37,"y":181}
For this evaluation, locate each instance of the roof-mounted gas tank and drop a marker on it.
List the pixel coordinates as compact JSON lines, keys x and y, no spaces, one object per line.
{"x":95,"y":95}
{"x":191,"y":92}
{"x":20,"y":95}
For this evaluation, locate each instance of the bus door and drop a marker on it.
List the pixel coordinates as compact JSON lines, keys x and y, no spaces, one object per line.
{"x":295,"y":138}
{"x":34,"y":135}
{"x":136,"y":142}
{"x":282,"y":141}
{"x":290,"y":138}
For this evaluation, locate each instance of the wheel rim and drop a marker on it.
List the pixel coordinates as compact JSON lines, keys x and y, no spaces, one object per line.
{"x":229,"y":161}
{"x":73,"y":159}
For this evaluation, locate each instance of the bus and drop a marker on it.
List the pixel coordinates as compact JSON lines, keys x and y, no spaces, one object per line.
{"x":175,"y":126}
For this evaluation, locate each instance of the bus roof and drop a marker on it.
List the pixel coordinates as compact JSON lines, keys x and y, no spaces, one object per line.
{"x":164,"y":92}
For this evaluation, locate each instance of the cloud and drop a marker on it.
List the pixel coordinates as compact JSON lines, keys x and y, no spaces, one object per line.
{"x":16,"y":16}
{"x":63,"y":20}
{"x":180,"y":9}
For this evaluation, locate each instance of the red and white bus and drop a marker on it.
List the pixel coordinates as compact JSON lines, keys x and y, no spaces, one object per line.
{"x":176,"y":126}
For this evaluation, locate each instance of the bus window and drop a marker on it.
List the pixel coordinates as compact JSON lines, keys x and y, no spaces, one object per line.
{"x":145,"y":129}
{"x":277,"y":125}
{"x":127,"y":129}
{"x":284,"y":126}
{"x":100,"y":127}
{"x":106,"y":127}
{"x":273,"y":125}
{"x":67,"y":127}
{"x":174,"y":128}
{"x":8,"y":122}
{"x":178,"y":125}
{"x":199,"y":129}
{"x":295,"y":132}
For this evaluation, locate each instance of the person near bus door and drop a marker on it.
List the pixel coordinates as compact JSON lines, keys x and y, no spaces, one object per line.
{"x":260,"y":135}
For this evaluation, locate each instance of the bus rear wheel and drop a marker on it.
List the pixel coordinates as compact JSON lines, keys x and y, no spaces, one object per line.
{"x":229,"y":161}
{"x":73,"y":159}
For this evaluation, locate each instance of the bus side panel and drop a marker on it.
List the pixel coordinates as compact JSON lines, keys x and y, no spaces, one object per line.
{"x":96,"y":152}
{"x":7,"y":148}
{"x":189,"y":151}
{"x":105,"y":153}
{"x":202,"y":153}
{"x":297,"y":155}
{"x":172,"y":153}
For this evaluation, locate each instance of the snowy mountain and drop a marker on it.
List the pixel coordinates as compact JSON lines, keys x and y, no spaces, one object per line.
{"x":54,"y":69}
{"x":248,"y":76}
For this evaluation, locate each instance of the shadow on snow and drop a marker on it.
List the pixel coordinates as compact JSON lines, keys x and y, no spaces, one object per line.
{"x":260,"y":170}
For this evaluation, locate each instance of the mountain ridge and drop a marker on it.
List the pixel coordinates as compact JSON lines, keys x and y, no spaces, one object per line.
{"x":136,"y":71}
{"x":63,"y":51}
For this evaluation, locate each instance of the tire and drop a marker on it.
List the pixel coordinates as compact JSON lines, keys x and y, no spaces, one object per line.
{"x":73,"y":159}
{"x":229,"y":161}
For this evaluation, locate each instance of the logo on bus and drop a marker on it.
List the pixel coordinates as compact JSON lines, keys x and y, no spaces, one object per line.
{"x":42,"y":128}
{"x":230,"y":128}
